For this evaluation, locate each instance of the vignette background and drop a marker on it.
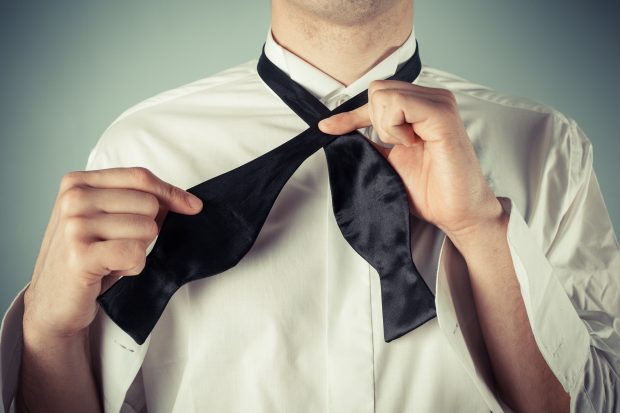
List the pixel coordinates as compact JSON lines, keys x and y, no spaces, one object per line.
{"x":68,"y":68}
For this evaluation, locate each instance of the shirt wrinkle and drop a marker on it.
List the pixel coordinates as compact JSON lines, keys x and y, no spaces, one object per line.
{"x":335,"y":359}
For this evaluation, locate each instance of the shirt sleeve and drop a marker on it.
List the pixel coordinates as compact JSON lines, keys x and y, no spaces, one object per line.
{"x":135,"y":401}
{"x":11,"y":351}
{"x":11,"y":342}
{"x":11,"y":346}
{"x":570,"y":287}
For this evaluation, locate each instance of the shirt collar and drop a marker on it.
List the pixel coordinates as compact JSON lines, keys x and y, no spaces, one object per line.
{"x":324,"y":87}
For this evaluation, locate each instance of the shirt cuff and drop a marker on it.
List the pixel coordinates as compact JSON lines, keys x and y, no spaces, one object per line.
{"x":11,"y":347}
{"x":561,"y":336}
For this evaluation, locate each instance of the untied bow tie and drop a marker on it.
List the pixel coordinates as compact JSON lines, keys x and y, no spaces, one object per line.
{"x":368,"y":198}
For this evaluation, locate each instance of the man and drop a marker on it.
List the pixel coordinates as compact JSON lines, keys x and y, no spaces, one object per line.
{"x":514,"y":241}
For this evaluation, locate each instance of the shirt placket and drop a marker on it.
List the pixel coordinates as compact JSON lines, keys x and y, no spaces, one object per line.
{"x":349,"y":335}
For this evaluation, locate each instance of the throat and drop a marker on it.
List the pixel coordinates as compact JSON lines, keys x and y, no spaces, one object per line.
{"x":344,"y":52}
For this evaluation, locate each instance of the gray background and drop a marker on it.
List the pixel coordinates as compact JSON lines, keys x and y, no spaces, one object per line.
{"x":68,"y":68}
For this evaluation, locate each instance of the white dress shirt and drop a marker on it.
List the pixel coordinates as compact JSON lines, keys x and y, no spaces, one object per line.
{"x":297,"y":326}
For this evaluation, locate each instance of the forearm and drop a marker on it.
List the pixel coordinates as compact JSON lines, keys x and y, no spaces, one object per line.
{"x":525,"y":380}
{"x":56,"y":375}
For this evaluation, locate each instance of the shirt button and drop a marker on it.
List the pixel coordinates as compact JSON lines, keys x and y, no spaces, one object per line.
{"x":340,"y":99}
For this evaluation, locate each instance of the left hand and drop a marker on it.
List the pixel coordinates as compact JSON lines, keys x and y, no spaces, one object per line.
{"x":432,"y":154}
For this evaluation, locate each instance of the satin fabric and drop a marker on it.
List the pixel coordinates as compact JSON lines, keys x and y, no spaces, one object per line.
{"x":368,"y":198}
{"x":296,"y":326}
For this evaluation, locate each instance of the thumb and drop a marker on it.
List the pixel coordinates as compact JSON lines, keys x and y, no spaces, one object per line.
{"x":173,"y":198}
{"x":180,"y":201}
{"x":346,"y":121}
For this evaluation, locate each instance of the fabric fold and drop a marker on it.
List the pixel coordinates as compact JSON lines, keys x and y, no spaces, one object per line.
{"x":369,"y":201}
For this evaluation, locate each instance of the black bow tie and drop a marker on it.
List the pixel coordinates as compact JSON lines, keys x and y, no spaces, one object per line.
{"x":368,"y":197}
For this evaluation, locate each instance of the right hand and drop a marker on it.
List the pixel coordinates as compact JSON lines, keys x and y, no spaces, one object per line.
{"x":101,"y":226}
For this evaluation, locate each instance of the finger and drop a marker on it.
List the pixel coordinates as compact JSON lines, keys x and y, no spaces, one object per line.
{"x":432,"y":93}
{"x":396,"y":108}
{"x":382,"y":150}
{"x":124,"y":256}
{"x":377,"y":115}
{"x":141,"y":179}
{"x":85,"y":200}
{"x":402,"y":134}
{"x":360,"y":117}
{"x":396,"y":126}
{"x":159,"y":219}
{"x":110,"y":280}
{"x":119,"y":226}
{"x":346,"y":121}
{"x":389,"y":121}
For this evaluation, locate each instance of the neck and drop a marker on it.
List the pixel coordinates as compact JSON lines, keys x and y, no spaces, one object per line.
{"x":343,"y":51}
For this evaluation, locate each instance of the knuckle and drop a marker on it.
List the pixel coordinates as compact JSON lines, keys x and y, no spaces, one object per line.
{"x":135,"y":255}
{"x":169,"y":192}
{"x":376,"y":104}
{"x":387,"y":138}
{"x":149,"y":228}
{"x":74,"y":257}
{"x":70,"y":179}
{"x":384,"y":136}
{"x":385,"y":125}
{"x":72,"y":199}
{"x":447,"y":109}
{"x":137,"y":269}
{"x":381,"y":94}
{"x":152,"y":229}
{"x":451,"y":98}
{"x":375,"y":86}
{"x":151,"y":204}
{"x":399,"y":98}
{"x":447,"y":95}
{"x":135,"y":250}
{"x":141,"y":175}
{"x":75,"y":227}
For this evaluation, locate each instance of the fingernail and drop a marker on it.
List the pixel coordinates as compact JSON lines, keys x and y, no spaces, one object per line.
{"x":324,"y":124}
{"x":193,"y":201}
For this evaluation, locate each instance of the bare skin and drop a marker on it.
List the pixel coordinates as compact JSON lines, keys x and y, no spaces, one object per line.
{"x":100,"y":227}
{"x":103,"y":221}
{"x":435,"y":158}
{"x":345,"y":38}
{"x":446,"y":187}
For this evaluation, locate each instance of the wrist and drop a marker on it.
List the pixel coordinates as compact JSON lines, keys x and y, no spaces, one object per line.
{"x":42,"y":324}
{"x":54,"y":349}
{"x":37,"y":336}
{"x":489,"y":229}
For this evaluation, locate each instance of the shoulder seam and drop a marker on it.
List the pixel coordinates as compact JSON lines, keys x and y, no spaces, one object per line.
{"x":531,"y":105}
{"x":145,"y":104}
